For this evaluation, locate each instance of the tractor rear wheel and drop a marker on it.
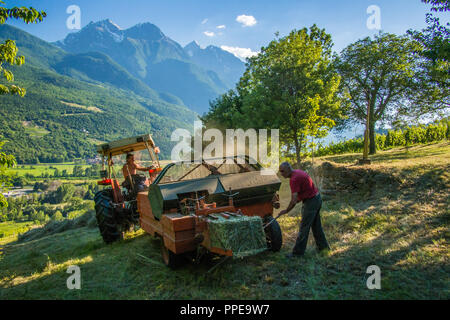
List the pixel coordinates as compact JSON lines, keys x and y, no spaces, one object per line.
{"x":170,"y":259}
{"x":274,"y":237}
{"x":106,"y":221}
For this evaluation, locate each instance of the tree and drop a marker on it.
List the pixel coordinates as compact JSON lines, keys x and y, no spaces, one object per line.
{"x":57,"y":216}
{"x":436,"y":37}
{"x":8,"y":54}
{"x":6,"y":161}
{"x":438,"y":5}
{"x":223,"y":110}
{"x":435,"y":41}
{"x":290,"y":86}
{"x":78,"y":171}
{"x":64,"y":193}
{"x":8,"y":50}
{"x":380,"y":75}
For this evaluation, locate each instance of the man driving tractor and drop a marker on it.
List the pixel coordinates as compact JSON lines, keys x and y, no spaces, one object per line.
{"x":132,"y":179}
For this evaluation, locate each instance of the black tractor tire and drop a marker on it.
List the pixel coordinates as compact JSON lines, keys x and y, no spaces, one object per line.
{"x":274,"y":236}
{"x":171,"y":259}
{"x":104,"y":212}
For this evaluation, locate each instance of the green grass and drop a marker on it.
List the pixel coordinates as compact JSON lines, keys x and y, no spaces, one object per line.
{"x":400,"y":157}
{"x":405,"y":231}
{"x":36,"y":132}
{"x":38,"y":169}
{"x":8,"y":229}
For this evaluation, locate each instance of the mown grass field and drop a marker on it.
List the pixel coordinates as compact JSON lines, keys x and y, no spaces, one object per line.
{"x":38,"y":169}
{"x":8,"y":229}
{"x":403,"y":230}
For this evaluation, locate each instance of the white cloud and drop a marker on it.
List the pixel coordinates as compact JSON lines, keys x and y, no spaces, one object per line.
{"x":247,"y":21}
{"x":209,"y":34}
{"x":204,"y":21}
{"x":221,"y":26}
{"x":241,"y":53}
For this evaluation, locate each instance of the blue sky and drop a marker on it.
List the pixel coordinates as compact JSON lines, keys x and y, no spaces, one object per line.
{"x":188,"y":20}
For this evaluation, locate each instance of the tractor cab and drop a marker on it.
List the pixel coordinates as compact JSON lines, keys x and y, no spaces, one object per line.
{"x":128,"y":189}
{"x":116,"y":205}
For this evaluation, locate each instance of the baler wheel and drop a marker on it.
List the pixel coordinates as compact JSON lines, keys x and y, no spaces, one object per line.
{"x":274,"y":237}
{"x":170,"y":259}
{"x":105,"y":217}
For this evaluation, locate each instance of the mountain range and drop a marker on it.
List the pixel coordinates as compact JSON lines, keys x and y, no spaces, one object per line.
{"x":103,"y":83}
{"x":193,"y":74}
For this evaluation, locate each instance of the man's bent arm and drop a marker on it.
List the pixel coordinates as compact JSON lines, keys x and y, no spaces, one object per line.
{"x":139,"y":168}
{"x":291,"y":205}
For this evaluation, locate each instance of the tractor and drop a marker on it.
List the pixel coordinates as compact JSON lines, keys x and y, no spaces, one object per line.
{"x":216,"y":207}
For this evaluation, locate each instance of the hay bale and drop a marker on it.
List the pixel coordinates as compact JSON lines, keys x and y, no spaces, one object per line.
{"x":243,"y":235}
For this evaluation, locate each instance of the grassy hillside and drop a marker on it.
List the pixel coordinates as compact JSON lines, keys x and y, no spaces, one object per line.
{"x":74,"y":114}
{"x":62,"y":117}
{"x":404,"y":230}
{"x":99,"y":68}
{"x":12,"y":229}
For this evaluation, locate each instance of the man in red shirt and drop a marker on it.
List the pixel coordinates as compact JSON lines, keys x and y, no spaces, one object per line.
{"x":303,"y":189}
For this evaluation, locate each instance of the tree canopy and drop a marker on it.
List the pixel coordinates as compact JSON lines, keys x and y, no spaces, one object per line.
{"x":8,"y":54}
{"x":289,"y":86}
{"x":383,"y":77}
{"x":436,"y":42}
{"x":6,"y":161}
{"x":8,"y":49}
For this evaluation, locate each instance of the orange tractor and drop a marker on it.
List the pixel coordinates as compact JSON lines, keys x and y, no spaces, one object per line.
{"x":218,"y":206}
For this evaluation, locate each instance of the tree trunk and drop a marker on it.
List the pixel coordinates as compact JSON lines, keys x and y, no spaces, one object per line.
{"x":372,"y":145}
{"x":297,"y":151}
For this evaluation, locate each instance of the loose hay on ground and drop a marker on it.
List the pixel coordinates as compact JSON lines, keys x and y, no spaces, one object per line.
{"x":54,"y":227}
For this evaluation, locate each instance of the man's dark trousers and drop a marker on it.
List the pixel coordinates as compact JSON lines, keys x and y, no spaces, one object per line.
{"x":311,"y":220}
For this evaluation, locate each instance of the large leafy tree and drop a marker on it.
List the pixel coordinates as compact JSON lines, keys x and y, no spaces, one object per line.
{"x":435,"y":42}
{"x":8,"y":49}
{"x":6,"y":161}
{"x":289,"y":86}
{"x":381,"y":76}
{"x":435,"y":37}
{"x":8,"y":55}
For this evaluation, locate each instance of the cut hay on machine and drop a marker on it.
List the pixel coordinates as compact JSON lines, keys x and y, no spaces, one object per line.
{"x":195,"y":208}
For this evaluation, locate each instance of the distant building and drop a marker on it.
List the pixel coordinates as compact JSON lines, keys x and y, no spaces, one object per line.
{"x":94,"y":160}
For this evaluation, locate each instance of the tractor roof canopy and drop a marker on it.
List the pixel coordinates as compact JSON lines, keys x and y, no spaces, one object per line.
{"x":125,"y":146}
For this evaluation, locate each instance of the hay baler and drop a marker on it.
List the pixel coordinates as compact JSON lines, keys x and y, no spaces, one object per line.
{"x":221,"y":206}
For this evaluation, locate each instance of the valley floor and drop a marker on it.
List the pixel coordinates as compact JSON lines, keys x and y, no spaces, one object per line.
{"x":403,"y":229}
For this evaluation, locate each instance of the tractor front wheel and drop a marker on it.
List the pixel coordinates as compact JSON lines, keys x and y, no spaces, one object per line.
{"x":274,"y":236}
